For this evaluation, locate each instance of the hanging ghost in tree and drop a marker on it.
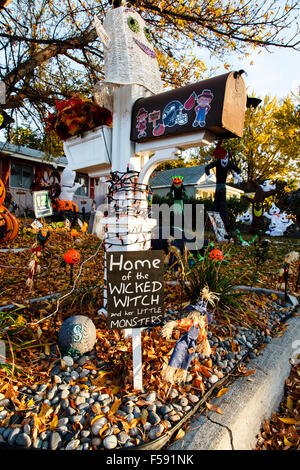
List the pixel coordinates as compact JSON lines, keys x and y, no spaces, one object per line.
{"x":129,"y":56}
{"x":223,"y":165}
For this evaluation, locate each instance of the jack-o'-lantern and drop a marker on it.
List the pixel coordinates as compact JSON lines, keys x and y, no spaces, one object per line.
{"x":216,"y":254}
{"x":2,"y":193}
{"x":65,"y":206}
{"x":72,"y":256}
{"x":177,"y":180}
{"x":74,"y":233}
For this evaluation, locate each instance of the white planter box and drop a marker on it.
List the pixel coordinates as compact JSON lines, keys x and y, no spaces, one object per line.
{"x":90,"y":153}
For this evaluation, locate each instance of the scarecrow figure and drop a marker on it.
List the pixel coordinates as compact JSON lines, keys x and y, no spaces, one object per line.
{"x":223,"y":165}
{"x":177,"y":193}
{"x":194,"y":338}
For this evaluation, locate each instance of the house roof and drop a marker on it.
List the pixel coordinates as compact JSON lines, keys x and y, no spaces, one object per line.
{"x":19,"y":151}
{"x":191,"y":175}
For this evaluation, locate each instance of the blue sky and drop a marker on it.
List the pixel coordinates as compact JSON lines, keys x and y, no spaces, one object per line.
{"x":276,"y":73}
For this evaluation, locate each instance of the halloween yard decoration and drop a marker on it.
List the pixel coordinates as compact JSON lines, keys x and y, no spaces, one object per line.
{"x":34,"y":265}
{"x":177,"y":193}
{"x":279,"y":221}
{"x":223,"y":165}
{"x":263,"y":191}
{"x":42,"y":237}
{"x":194,"y":338}
{"x":128,"y":90}
{"x":76,"y":336}
{"x":71,"y":257}
{"x":9,"y":226}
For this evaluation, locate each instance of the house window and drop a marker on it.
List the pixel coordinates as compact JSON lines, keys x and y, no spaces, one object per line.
{"x":84,"y":189}
{"x":21,"y":176}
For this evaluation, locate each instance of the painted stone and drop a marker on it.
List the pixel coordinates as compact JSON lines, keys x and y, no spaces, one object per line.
{"x":77,"y":335}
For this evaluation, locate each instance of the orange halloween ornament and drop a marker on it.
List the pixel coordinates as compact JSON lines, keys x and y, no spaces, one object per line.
{"x":72,"y":256}
{"x":216,"y":254}
{"x":9,"y":226}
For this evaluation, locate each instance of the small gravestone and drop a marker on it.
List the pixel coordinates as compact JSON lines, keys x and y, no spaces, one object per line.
{"x":77,"y":335}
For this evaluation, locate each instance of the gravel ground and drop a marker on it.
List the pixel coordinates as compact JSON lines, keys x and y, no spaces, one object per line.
{"x":81,"y":425}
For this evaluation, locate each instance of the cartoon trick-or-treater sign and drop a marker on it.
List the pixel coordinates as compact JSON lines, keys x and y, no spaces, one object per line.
{"x":202,"y":108}
{"x":142,"y":122}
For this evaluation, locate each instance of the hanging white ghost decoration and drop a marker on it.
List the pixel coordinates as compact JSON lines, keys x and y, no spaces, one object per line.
{"x":129,"y":57}
{"x":68,"y":188}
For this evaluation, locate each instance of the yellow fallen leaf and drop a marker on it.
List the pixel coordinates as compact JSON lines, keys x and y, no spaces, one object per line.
{"x":289,"y":402}
{"x":115,"y":406}
{"x":103,"y":429}
{"x":222,"y":392}
{"x":214,"y":408}
{"x":287,"y":442}
{"x":180,"y":434}
{"x":288,"y":420}
{"x":97,"y":417}
{"x":53,"y":424}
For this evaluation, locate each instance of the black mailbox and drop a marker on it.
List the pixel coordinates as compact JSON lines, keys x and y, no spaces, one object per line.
{"x":217,"y":104}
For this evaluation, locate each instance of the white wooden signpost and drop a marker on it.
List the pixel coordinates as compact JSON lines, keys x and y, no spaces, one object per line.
{"x":131,"y":72}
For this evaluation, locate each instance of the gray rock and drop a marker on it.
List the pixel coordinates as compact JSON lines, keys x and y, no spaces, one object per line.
{"x":13,"y":435}
{"x":75,"y":389}
{"x":23,"y":440}
{"x":123,"y":437}
{"x":110,"y":442}
{"x":96,"y":441}
{"x":26,"y":429}
{"x":55,"y":441}
{"x":51,"y":393}
{"x":85,"y":433}
{"x":151,"y":397}
{"x":193,"y":398}
{"x":68,"y":361}
{"x":153,"y":418}
{"x":62,"y":421}
{"x":98,"y":425}
{"x":82,"y":360}
{"x":64,"y":394}
{"x":184,"y":401}
{"x":3,"y":414}
{"x":156,"y":431}
{"x":72,"y":445}
{"x":57,"y":379}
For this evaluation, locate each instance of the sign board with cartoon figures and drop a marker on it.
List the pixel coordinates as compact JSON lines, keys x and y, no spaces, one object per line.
{"x":217,"y":104}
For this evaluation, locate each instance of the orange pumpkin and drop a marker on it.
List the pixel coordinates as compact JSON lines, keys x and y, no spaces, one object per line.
{"x":65,"y":206}
{"x":2,"y":192}
{"x":177,"y":180}
{"x":72,"y":256}
{"x":216,"y":254}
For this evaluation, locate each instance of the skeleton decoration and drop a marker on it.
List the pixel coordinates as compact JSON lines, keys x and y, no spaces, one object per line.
{"x":129,"y":56}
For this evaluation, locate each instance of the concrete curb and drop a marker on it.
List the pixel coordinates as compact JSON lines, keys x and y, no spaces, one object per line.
{"x":247,"y":403}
